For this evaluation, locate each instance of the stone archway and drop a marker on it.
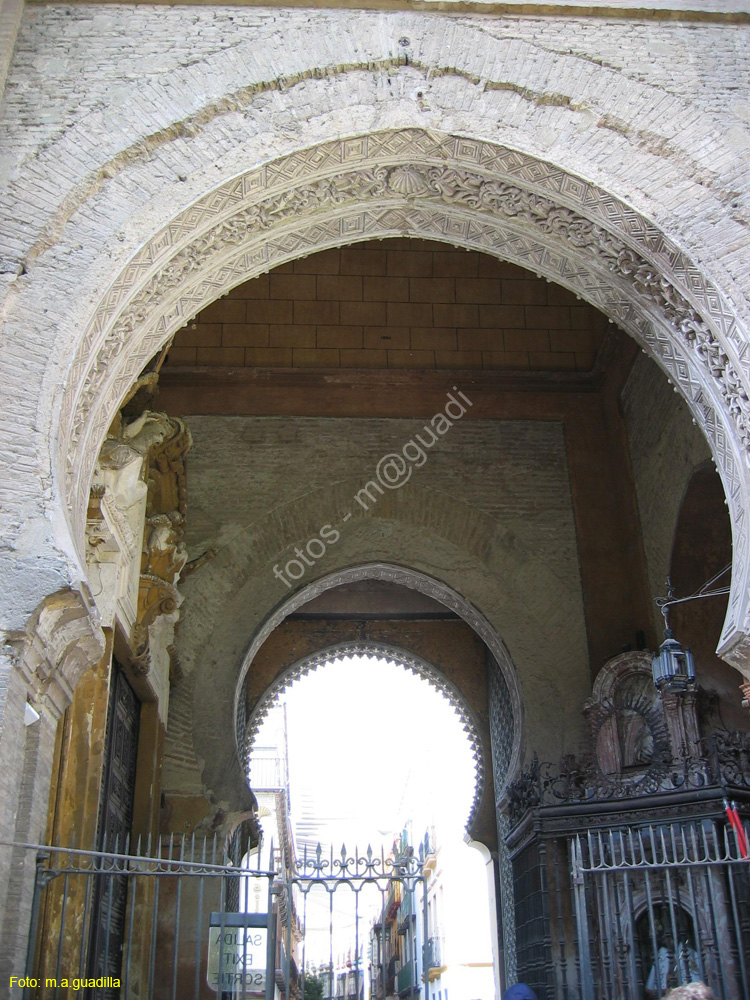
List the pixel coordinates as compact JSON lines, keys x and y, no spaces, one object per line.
{"x":470,"y":193}
{"x":420,"y":582}
{"x":497,"y":745}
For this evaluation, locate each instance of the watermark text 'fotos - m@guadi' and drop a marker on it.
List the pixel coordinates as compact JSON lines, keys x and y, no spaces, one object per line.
{"x":392,"y":472}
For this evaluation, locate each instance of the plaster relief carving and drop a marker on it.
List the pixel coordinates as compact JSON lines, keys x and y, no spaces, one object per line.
{"x":114,"y":525}
{"x":467,"y":192}
{"x":454,"y":187}
{"x":164,"y":441}
{"x":135,"y":529}
{"x":629,"y":736}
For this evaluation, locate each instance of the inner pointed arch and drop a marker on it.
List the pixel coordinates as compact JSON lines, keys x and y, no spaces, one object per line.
{"x":414,"y":581}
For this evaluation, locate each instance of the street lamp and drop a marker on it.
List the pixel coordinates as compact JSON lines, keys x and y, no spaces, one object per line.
{"x":673,"y":667}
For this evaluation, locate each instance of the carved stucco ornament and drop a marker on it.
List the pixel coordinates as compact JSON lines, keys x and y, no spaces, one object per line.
{"x":468,"y":192}
{"x":407,"y":181}
{"x":165,"y":442}
{"x":451,"y":186}
{"x":151,"y":447}
{"x":61,"y":641}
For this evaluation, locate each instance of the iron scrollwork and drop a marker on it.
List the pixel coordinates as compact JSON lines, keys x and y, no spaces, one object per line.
{"x":721,"y":759}
{"x":404,"y":864}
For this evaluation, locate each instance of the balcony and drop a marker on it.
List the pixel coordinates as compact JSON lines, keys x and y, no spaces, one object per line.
{"x":435,"y":967}
{"x":405,"y":981}
{"x":407,"y":911}
{"x":393,"y":901}
{"x":267,"y":772}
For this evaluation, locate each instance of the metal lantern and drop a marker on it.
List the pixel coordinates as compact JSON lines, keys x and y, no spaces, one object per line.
{"x":673,"y":667}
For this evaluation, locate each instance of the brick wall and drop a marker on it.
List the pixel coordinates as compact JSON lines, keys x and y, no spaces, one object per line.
{"x":665,"y":449}
{"x":398,"y":303}
{"x":490,"y":513}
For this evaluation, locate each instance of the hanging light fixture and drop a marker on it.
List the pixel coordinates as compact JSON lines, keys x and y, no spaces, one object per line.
{"x":674,"y":667}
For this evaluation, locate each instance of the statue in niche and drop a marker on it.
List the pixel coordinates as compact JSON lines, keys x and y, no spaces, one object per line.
{"x":634,"y":700}
{"x":626,"y":718}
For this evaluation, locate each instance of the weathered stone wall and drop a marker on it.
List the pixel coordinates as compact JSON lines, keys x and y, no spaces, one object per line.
{"x":145,"y":109}
{"x":665,"y":450}
{"x":489,"y":513}
{"x":115,"y":119}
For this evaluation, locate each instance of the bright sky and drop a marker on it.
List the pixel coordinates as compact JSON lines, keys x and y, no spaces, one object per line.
{"x":372,"y":746}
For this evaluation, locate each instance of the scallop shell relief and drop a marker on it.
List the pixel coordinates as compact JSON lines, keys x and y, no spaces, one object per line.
{"x":407,"y":181}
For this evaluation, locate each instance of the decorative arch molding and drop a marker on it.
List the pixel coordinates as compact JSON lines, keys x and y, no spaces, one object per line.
{"x":392,"y":654}
{"x":414,"y":581}
{"x":464,"y":191}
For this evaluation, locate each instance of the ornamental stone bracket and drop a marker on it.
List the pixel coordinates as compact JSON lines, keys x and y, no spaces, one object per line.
{"x":135,"y":529}
{"x":114,"y":526}
{"x":164,"y":441}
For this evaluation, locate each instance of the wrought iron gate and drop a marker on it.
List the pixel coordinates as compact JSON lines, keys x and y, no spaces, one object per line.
{"x":400,"y":946}
{"x":657,"y":906}
{"x":200,"y":923}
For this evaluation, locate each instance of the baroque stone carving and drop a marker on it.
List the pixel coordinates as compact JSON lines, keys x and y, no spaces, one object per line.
{"x":61,"y":641}
{"x":642,"y":743}
{"x":464,"y":191}
{"x":164,"y":441}
{"x":150,"y":447}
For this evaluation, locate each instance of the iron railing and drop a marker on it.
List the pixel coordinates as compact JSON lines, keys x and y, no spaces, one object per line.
{"x":434,"y":953}
{"x":660,"y":905}
{"x":182,"y":936}
{"x":405,"y":978}
{"x":721,"y":760}
{"x":396,"y":877}
{"x":197,"y":921}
